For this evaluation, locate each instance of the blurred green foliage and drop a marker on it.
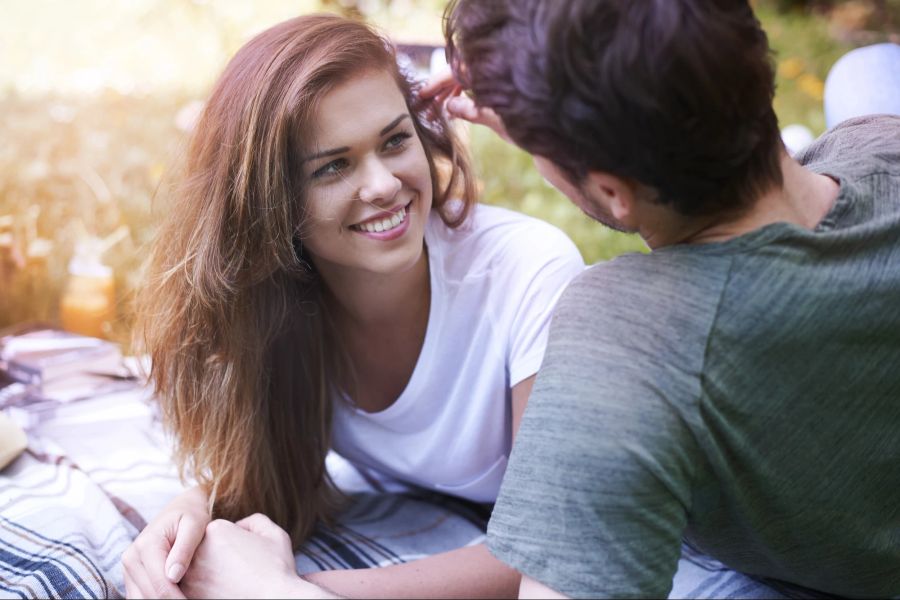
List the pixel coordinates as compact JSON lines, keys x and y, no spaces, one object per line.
{"x":808,"y":36}
{"x":75,"y":167}
{"x":510,"y":179}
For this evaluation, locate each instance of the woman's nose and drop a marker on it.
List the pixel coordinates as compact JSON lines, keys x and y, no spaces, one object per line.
{"x":378,"y":184}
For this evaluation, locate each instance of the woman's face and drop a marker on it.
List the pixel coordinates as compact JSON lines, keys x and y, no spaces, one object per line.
{"x":369,"y":187}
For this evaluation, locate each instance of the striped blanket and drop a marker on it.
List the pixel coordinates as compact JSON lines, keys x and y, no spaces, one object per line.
{"x":97,"y":470}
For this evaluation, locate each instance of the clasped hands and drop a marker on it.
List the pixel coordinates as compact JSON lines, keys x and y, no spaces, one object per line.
{"x":183,"y":554}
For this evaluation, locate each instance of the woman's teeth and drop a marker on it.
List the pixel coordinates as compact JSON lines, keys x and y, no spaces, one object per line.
{"x":385,"y":224}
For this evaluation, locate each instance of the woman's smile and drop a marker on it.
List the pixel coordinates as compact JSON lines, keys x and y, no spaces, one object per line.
{"x":385,"y":226}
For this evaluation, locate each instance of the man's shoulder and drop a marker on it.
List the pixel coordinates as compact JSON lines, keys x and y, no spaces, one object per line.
{"x":860,"y":145}
{"x":640,"y":318}
{"x":662,"y":279}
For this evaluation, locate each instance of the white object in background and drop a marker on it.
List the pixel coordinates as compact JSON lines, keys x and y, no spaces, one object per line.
{"x":12,"y":440}
{"x":46,"y":341}
{"x":438,"y":62}
{"x":408,"y":67}
{"x":796,"y":137}
{"x":188,"y":115}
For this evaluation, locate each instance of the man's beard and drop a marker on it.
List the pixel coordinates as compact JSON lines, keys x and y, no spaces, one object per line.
{"x":598,"y":212}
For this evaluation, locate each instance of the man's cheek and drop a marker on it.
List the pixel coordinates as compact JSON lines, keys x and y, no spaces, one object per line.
{"x":553,"y":175}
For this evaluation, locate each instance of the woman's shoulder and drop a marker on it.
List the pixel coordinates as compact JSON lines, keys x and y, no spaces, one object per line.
{"x":503,"y":249}
{"x":494,"y":235}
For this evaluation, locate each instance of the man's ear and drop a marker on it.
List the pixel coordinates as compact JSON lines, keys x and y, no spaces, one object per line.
{"x":615,"y":193}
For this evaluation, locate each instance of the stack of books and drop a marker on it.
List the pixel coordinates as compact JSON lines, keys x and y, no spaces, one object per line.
{"x":52,"y":364}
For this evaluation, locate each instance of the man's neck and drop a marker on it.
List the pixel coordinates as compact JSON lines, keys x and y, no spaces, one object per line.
{"x":803,"y":199}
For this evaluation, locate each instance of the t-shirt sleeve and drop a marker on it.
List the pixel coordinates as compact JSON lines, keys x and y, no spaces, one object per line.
{"x":545,"y":262}
{"x":596,"y":494}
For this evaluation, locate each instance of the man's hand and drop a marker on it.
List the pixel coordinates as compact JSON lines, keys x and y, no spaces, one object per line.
{"x":252,"y":558}
{"x":445,"y":90}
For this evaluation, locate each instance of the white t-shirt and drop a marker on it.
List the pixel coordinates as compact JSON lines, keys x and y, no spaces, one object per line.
{"x":494,"y":283}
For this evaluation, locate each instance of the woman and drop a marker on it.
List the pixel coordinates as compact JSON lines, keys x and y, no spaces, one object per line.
{"x":315,"y":286}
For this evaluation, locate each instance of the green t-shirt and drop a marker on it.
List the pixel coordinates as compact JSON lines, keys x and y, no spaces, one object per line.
{"x":743,"y":395}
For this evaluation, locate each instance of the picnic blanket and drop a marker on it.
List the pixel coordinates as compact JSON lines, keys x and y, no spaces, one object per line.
{"x":96,"y":471}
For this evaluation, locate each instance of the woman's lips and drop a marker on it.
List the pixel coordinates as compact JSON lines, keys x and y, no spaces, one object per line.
{"x":386,"y":228}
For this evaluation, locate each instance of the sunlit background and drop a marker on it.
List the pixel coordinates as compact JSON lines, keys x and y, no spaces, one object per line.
{"x":97,"y":97}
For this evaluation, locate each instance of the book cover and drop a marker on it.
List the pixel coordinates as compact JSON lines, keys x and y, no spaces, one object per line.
{"x":44,"y":356}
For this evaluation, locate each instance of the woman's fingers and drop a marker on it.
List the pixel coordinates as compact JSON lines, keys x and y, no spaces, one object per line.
{"x":131,"y":590}
{"x":150,"y":575}
{"x":163,"y":551}
{"x":157,"y":559}
{"x":140,"y":581}
{"x":188,"y":535}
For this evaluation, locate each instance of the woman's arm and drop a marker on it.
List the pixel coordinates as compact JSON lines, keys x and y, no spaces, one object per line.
{"x":520,"y":393}
{"x":253,"y":558}
{"x":470,"y":572}
{"x":463,"y":573}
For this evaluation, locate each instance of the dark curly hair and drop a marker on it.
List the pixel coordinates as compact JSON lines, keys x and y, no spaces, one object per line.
{"x":674,"y":94}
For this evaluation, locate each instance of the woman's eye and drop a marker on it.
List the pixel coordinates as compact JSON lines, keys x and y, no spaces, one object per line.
{"x":332,"y":168}
{"x":397,"y":141}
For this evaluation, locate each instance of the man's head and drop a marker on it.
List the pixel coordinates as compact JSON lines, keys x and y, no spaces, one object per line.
{"x":674,"y":96}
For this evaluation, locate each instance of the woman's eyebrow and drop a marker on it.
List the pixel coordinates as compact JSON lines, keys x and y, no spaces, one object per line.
{"x":343,"y":149}
{"x":325,"y":153}
{"x":393,"y":124}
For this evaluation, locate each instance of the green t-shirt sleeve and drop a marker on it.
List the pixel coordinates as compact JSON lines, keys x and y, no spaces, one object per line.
{"x":596,"y":495}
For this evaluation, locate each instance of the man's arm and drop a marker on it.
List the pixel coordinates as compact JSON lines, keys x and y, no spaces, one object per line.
{"x":598,"y":488}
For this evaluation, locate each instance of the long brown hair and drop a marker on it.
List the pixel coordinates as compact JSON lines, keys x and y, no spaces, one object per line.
{"x":231,"y":312}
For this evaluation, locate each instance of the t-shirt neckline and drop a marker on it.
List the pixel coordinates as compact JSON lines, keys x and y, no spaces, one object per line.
{"x":767,"y":233}
{"x":406,"y":398}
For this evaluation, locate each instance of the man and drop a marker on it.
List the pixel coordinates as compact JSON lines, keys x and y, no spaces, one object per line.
{"x":738,"y":387}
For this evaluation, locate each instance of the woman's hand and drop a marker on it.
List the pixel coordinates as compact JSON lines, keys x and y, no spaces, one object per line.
{"x":252,"y":558}
{"x":444,"y":89}
{"x":160,"y":555}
